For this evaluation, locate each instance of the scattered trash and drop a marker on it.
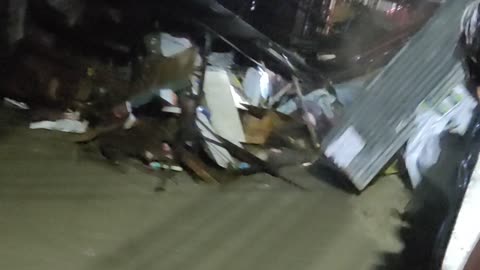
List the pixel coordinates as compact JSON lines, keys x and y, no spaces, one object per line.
{"x":175,"y":168}
{"x":71,"y":115}
{"x":149,"y":155}
{"x":172,"y":109}
{"x":392,"y":169}
{"x":243,"y":166}
{"x":156,"y":166}
{"x":64,"y":125}
{"x":130,"y":122}
{"x":213,"y":146}
{"x":326,"y":57}
{"x":171,"y":104}
{"x":196,"y":165}
{"x":257,"y":86}
{"x":167,"y":151}
{"x":166,"y":44}
{"x":15,"y":104}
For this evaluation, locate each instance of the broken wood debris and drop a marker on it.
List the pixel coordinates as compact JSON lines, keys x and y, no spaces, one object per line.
{"x":137,"y":96}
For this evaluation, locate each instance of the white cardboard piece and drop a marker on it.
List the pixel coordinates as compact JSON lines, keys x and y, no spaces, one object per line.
{"x":225,"y":118}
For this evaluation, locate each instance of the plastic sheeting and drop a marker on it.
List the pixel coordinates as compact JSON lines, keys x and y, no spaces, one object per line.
{"x":257,"y":85}
{"x":452,"y":115}
{"x":321,"y":97}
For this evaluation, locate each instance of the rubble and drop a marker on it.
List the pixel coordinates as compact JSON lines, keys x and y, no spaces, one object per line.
{"x":173,"y":105}
{"x":188,"y":86}
{"x":193,"y":76}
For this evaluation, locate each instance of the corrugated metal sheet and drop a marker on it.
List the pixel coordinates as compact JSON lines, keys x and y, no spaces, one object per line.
{"x":384,"y":114}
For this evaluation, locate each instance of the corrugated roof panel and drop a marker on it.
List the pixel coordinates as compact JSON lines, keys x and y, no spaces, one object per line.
{"x":383,"y":116}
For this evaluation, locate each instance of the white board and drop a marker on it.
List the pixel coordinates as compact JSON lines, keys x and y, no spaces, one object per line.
{"x":225,"y":118}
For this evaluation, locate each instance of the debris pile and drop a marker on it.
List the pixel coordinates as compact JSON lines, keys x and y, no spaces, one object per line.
{"x":180,"y":100}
